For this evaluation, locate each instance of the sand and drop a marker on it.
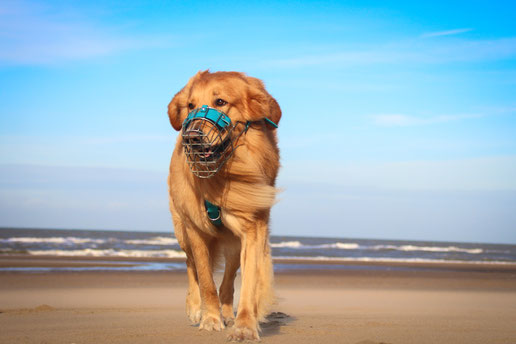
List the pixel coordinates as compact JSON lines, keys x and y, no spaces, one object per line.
{"x":436,"y":304}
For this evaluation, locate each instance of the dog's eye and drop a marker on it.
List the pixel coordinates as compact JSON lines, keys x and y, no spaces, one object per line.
{"x":220,"y":102}
{"x":191,"y":106}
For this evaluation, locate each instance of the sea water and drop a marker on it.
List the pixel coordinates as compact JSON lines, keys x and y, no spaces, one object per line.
{"x":133,"y":245}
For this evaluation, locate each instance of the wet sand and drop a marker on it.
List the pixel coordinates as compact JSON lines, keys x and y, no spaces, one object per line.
{"x":425,"y":304}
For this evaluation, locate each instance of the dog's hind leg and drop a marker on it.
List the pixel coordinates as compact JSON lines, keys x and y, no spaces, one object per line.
{"x":227,"y":289}
{"x":202,"y":249}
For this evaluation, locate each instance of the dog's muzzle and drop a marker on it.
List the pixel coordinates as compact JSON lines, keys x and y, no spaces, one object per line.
{"x":207,"y":140}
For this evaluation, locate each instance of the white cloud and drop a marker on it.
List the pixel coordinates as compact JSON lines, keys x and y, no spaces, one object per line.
{"x":345,"y":58}
{"x":411,"y":51}
{"x":119,"y":150}
{"x":446,"y":33}
{"x":34,"y":34}
{"x":399,"y":120}
{"x":102,"y":140}
{"x":83,"y":197}
{"x":476,"y":174}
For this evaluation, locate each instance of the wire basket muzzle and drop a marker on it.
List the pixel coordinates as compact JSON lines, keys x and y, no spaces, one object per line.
{"x":207,"y":145}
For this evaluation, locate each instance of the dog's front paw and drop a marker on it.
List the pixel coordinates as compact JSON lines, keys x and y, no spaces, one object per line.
{"x":241,"y":333}
{"x":229,"y":321}
{"x":194,"y":314}
{"x":228,"y":315}
{"x":211,"y":323}
{"x":193,"y":307}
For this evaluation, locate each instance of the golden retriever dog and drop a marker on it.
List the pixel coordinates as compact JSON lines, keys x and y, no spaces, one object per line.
{"x":242,"y":189}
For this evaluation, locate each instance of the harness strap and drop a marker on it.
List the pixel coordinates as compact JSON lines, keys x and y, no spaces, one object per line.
{"x":212,"y":210}
{"x":213,"y":213}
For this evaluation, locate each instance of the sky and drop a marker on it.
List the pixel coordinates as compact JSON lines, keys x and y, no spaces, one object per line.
{"x":399,"y":118}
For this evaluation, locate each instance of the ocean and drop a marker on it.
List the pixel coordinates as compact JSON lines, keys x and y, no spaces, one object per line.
{"x":128,"y":246}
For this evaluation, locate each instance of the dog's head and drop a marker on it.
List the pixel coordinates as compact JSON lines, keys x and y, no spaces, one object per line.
{"x":242,"y":99}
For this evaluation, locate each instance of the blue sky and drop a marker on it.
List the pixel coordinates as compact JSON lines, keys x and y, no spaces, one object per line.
{"x":399,"y":119}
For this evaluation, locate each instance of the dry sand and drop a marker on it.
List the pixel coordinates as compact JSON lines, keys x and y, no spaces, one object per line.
{"x":447,"y":304}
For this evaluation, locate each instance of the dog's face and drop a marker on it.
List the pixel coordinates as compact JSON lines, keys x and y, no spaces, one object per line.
{"x":221,"y":105}
{"x":240,"y":97}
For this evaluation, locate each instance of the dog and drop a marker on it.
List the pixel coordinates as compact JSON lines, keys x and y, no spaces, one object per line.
{"x":220,"y":197}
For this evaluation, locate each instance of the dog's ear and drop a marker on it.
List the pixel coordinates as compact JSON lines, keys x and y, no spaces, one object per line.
{"x":260,"y":103}
{"x":274,"y":111}
{"x":178,"y":107}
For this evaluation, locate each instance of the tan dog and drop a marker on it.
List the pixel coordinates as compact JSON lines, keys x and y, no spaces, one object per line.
{"x":244,"y":189}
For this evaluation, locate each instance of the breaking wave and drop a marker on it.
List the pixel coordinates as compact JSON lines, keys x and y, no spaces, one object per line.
{"x":355,"y":246}
{"x":408,"y":248}
{"x":297,"y":244}
{"x":153,"y":241}
{"x":323,"y":259}
{"x":111,"y":253}
{"x":292,"y":244}
{"x":53,"y":240}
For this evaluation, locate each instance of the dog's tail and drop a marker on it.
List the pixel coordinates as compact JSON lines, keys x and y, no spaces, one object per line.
{"x":248,"y":198}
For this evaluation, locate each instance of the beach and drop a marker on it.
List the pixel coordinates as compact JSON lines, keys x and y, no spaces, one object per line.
{"x":428,"y":303}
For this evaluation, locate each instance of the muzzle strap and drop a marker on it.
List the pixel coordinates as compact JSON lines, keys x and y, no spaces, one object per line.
{"x":271,"y":122}
{"x":220,"y":119}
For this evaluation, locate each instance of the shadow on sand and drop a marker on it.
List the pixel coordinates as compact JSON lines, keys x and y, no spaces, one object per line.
{"x":274,"y":322}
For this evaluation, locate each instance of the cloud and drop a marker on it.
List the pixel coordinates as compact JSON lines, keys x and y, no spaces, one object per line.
{"x":446,"y":33}
{"x":34,"y":34}
{"x":83,"y":197}
{"x":127,"y":150}
{"x":475,"y":174}
{"x":463,"y":199}
{"x":102,"y":140}
{"x":399,"y":120}
{"x":345,"y":58}
{"x":403,"y":52}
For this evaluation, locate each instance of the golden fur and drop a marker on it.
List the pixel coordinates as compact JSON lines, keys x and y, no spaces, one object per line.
{"x":244,"y":189}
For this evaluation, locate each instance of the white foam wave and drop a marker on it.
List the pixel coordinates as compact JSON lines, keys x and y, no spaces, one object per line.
{"x":111,"y":253}
{"x":297,"y":244}
{"x":52,"y":240}
{"x":340,"y":246}
{"x":355,"y":246}
{"x":291,"y":244}
{"x":153,"y":241}
{"x":393,"y":260}
{"x":408,"y":248}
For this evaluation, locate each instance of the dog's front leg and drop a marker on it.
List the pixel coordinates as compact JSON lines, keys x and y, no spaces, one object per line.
{"x":256,"y":281}
{"x":193,"y":296}
{"x":210,"y":316}
{"x":227,"y":288}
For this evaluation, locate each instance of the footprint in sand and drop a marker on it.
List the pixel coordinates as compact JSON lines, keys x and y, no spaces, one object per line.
{"x":44,"y":308}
